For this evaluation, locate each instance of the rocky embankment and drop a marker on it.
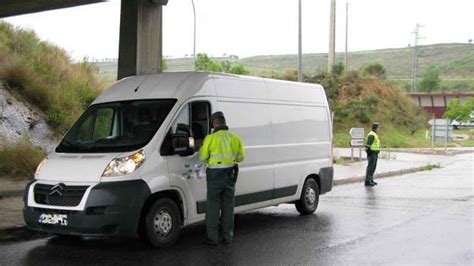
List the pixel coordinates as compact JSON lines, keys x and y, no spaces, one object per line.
{"x":19,"y":118}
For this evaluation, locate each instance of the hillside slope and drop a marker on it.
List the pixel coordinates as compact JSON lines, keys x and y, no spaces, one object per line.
{"x":455,"y":60}
{"x":455,"y":63}
{"x":47,"y":76}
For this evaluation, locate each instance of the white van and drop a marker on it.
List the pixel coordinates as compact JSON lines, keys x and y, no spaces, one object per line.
{"x":130,"y":165}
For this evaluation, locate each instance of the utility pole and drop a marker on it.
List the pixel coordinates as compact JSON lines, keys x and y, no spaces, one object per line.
{"x":194,"y":40}
{"x":332,"y":36}
{"x":346,"y":56}
{"x":415,"y":55}
{"x":300,"y":46}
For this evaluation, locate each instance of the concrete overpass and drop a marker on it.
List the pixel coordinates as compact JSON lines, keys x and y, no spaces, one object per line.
{"x":140,"y":45}
{"x":436,"y":103}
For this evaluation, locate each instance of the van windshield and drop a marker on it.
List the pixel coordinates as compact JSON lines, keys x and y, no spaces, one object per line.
{"x":116,"y":127}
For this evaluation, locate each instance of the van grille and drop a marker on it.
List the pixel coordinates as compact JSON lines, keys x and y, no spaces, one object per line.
{"x":59,"y":194}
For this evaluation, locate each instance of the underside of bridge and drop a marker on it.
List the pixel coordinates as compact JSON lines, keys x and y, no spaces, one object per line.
{"x":10,"y":8}
{"x":140,"y":45}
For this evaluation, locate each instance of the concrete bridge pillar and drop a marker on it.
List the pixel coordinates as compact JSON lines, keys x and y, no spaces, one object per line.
{"x":140,"y":45}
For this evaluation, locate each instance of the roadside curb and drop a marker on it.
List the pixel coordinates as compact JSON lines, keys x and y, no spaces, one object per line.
{"x":358,"y":179}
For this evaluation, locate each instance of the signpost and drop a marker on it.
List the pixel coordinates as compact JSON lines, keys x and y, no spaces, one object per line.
{"x":357,"y":141}
{"x":441,"y":129}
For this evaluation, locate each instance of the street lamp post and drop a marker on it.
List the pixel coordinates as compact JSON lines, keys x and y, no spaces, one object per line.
{"x":194,"y":41}
{"x":300,"y":65}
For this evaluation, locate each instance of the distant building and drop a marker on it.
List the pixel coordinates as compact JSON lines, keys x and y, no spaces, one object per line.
{"x":437,"y":102}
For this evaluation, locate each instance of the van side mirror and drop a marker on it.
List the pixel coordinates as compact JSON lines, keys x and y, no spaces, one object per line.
{"x":183,"y":144}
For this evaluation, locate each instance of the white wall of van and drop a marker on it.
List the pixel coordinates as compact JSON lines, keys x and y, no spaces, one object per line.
{"x":285,"y":127}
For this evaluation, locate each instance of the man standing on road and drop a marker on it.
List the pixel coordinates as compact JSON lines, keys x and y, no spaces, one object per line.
{"x":372,"y":148}
{"x":221,"y":150}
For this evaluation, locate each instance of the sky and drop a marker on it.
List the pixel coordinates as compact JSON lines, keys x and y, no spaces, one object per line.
{"x":259,"y":27}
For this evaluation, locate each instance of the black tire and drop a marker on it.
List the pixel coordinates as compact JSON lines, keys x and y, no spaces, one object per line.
{"x":308,"y":202}
{"x":163,"y":223}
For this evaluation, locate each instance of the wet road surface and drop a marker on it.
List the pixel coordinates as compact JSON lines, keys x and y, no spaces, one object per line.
{"x":420,"y":218}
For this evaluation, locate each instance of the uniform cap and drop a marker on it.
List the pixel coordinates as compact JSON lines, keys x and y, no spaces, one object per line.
{"x":217,"y":115}
{"x":375,"y":125}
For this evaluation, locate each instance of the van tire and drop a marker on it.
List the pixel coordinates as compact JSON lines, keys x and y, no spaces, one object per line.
{"x":163,"y":223}
{"x":308,"y":202}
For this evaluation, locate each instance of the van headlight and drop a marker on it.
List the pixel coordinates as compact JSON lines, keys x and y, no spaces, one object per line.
{"x":38,"y":168}
{"x":124,"y":165}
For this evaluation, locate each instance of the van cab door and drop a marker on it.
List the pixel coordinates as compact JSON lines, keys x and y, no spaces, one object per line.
{"x":187,"y":172}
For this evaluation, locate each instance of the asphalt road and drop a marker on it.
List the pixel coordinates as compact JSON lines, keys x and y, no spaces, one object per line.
{"x":420,"y":218}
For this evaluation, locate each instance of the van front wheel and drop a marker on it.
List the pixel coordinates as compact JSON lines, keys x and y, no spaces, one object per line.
{"x":163,"y":223}
{"x":309,"y":199}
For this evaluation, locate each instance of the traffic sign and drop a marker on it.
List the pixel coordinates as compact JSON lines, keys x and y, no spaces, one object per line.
{"x":357,"y":132}
{"x":441,"y":129}
{"x":357,"y":143}
{"x":439,"y":122}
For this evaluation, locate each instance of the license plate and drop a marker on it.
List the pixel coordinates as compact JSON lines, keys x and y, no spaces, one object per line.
{"x":55,"y":219}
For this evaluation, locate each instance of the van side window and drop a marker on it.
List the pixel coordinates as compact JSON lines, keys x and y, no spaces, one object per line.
{"x":193,"y":119}
{"x":200,"y":121}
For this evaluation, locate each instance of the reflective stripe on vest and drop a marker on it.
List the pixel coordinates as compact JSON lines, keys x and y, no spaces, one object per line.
{"x":376,"y":143}
{"x":224,"y":149}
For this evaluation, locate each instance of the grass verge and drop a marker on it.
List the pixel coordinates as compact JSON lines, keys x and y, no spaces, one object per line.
{"x":19,"y":159}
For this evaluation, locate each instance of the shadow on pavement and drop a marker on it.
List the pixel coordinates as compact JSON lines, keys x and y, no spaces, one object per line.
{"x":190,"y":248}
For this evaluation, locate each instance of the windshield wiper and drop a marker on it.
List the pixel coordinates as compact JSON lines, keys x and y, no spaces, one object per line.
{"x":68,"y":144}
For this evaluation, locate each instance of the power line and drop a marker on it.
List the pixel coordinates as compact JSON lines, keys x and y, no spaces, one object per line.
{"x":346,"y":59}
{"x":332,"y":36}
{"x":415,"y":54}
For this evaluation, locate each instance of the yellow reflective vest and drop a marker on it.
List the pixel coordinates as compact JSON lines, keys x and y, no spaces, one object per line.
{"x":222,"y":149}
{"x":375,"y":146}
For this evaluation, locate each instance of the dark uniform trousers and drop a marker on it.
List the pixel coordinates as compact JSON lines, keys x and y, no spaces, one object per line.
{"x":372,"y":158}
{"x":220,"y":204}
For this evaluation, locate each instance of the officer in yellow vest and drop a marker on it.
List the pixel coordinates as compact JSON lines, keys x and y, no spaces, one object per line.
{"x":221,"y":150}
{"x":372,"y":148}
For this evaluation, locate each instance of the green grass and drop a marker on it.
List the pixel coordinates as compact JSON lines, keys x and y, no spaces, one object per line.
{"x":46,"y":75}
{"x":390,"y":137}
{"x":19,"y":159}
{"x":466,"y":143}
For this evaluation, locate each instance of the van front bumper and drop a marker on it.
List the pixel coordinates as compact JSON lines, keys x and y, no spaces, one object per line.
{"x":112,"y":208}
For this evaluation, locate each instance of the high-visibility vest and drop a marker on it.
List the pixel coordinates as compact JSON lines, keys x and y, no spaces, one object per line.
{"x":222,"y":149}
{"x":376,"y":143}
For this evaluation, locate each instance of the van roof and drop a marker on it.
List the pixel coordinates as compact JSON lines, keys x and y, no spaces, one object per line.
{"x":183,"y":85}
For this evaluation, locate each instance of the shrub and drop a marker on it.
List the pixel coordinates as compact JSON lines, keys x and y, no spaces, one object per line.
{"x":19,"y":159}
{"x":337,"y":69}
{"x":430,"y":81}
{"x":376,"y":70}
{"x":238,"y":69}
{"x":290,"y":74}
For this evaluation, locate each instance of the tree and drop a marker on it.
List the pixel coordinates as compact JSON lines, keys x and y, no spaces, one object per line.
{"x":204,"y":63}
{"x":460,"y":112}
{"x":430,"y":81}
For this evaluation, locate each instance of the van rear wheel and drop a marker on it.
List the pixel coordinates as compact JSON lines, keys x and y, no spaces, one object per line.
{"x":163,"y":223}
{"x":309,"y":199}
